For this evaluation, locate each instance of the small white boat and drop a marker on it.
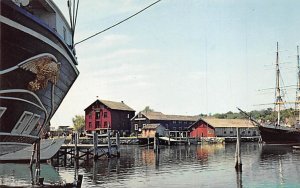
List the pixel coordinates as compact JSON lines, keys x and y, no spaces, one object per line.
{"x":49,"y":148}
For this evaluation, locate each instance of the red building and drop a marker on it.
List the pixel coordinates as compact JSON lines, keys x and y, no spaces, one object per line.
{"x":103,"y":114}
{"x":201,"y":129}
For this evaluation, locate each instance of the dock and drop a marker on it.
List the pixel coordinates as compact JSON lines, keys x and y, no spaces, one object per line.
{"x":78,"y":151}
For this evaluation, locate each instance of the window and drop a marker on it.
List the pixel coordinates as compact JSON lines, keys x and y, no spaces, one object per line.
{"x":2,"y":110}
{"x":97,"y":115}
{"x":128,"y":116}
{"x":23,"y":121}
{"x":90,"y":115}
{"x":136,"y":127}
{"x":105,"y":124}
{"x":105,"y":114}
{"x":224,"y":132}
{"x":97,"y":124}
{"x":30,"y":126}
{"x":90,"y":124}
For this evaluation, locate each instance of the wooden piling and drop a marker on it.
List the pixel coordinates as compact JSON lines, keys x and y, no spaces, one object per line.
{"x":156,"y":142}
{"x":95,"y":142}
{"x":76,"y":143}
{"x":169,"y":141}
{"x":32,"y":155}
{"x":109,"y":144}
{"x":238,"y":159}
{"x":118,"y":143}
{"x":148,"y":141}
{"x":38,"y":160}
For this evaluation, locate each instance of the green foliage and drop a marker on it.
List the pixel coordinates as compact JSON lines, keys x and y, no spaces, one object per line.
{"x":147,"y":109}
{"x":265,"y":115}
{"x":78,"y":123}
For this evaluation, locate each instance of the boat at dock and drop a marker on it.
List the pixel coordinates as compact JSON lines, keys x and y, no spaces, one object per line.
{"x":48,"y":148}
{"x":277,"y":132}
{"x":37,"y":69}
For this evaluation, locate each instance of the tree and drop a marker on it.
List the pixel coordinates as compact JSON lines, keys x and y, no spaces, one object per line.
{"x":147,"y":109}
{"x":78,"y":123}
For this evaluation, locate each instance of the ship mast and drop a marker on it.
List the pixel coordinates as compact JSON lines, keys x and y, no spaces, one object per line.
{"x":277,"y":94}
{"x":298,"y":86}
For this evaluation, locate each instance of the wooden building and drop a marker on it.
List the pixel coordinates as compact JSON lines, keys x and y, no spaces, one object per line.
{"x":227,"y":127}
{"x":102,"y":115}
{"x":201,"y":129}
{"x":176,"y":125}
{"x":149,"y":130}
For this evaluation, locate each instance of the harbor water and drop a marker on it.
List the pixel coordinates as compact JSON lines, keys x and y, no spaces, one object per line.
{"x":176,"y":166}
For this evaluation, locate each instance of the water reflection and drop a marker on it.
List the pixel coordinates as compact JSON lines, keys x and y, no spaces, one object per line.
{"x":12,"y":174}
{"x":180,"y":166}
{"x":239,"y":179}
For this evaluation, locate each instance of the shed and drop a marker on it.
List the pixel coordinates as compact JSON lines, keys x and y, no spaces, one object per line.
{"x":149,"y":130}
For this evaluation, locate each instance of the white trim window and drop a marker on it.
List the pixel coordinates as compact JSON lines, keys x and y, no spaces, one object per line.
{"x":23,"y":121}
{"x":32,"y":124}
{"x":136,"y":127}
{"x":2,"y":110}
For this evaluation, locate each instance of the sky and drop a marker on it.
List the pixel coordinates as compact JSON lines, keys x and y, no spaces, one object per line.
{"x":183,"y":57}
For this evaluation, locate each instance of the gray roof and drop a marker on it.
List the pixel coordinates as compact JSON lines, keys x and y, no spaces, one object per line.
{"x":116,"y":105}
{"x":113,"y":105}
{"x":161,"y":116}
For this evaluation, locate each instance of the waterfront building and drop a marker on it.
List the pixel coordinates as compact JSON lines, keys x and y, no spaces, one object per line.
{"x":149,"y":130}
{"x":176,"y":125}
{"x":102,"y":115}
{"x":201,"y":129}
{"x":227,"y":127}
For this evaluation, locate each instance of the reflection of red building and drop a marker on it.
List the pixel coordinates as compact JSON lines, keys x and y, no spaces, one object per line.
{"x":102,"y":114}
{"x":201,"y":129}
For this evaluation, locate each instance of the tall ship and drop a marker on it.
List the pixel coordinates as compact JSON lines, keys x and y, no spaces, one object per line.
{"x":37,"y":68}
{"x":277,"y":132}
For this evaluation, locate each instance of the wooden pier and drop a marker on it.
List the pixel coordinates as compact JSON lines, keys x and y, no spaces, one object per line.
{"x":79,"y":151}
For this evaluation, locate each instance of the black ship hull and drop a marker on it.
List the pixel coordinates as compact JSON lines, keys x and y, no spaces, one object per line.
{"x":37,"y":70}
{"x":279,"y":135}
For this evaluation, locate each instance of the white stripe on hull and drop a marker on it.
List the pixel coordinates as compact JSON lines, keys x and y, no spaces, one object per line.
{"x":38,"y":36}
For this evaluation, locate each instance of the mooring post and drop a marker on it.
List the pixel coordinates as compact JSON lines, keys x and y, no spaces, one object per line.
{"x":109,"y":144}
{"x":95,"y":142}
{"x":32,"y":155}
{"x":38,"y":157}
{"x":156,"y":142}
{"x":79,"y":181}
{"x":238,"y":159}
{"x":76,"y":148}
{"x":65,"y":156}
{"x":169,"y":141}
{"x":118,"y":143}
{"x":154,"y":145}
{"x":148,"y":141}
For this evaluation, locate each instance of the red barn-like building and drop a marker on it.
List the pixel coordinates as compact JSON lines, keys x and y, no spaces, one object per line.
{"x":201,"y":129}
{"x":103,"y":114}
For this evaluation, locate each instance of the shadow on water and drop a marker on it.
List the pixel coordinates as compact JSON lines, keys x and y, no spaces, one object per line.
{"x":12,"y":174}
{"x":274,"y":152}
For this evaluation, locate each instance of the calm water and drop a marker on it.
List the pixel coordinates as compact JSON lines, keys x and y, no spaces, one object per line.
{"x":177,"y":166}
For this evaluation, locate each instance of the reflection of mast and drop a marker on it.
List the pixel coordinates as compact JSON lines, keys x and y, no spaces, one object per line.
{"x":278,"y":101}
{"x":298,"y":87}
